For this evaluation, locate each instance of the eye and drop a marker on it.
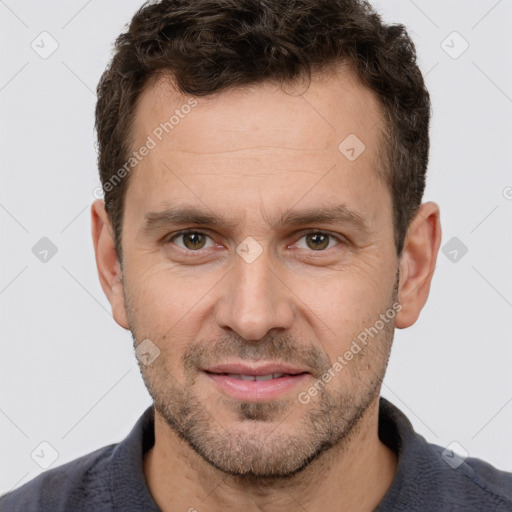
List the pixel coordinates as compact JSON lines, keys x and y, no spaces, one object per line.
{"x":192,"y":240}
{"x":196,"y":241}
{"x":318,"y":241}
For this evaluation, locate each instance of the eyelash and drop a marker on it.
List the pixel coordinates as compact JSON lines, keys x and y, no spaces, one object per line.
{"x":168,"y":240}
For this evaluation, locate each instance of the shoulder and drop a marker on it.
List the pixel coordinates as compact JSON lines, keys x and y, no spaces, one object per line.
{"x":431,"y":478}
{"x":473,"y":482}
{"x":82,"y":482}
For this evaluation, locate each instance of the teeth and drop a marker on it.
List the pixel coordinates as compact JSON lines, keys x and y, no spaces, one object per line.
{"x":255,"y":377}
{"x":264,"y":377}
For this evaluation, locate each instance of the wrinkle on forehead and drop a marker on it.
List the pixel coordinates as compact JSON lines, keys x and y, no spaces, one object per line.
{"x":321,"y":117}
{"x":259,"y":132}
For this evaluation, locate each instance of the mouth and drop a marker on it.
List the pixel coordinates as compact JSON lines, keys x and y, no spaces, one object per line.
{"x":255,"y":383}
{"x":270,"y":376}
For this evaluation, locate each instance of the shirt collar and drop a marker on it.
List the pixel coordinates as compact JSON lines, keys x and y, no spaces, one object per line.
{"x":128,"y":483}
{"x":130,"y":489}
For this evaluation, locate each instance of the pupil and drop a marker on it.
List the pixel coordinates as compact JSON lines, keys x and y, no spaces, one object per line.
{"x":319,"y":241}
{"x":194,"y":240}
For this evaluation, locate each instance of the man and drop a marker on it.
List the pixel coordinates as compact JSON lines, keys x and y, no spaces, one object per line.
{"x":261,"y":237}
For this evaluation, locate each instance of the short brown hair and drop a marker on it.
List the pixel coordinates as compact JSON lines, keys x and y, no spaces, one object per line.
{"x":212,"y":45}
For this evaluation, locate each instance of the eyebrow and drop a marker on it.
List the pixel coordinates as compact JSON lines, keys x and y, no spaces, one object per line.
{"x":177,"y":216}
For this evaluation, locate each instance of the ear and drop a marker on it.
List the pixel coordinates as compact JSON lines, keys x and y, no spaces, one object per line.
{"x":418,"y":262}
{"x":109,"y":268}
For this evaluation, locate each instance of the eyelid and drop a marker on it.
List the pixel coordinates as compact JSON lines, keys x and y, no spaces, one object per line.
{"x":309,"y":231}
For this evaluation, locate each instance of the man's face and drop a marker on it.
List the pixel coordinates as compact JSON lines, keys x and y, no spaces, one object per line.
{"x":263,"y":289}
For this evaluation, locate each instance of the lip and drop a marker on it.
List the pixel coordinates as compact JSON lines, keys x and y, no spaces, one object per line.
{"x":252,"y":390}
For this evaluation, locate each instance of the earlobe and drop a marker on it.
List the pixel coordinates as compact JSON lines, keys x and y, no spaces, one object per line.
{"x":418,"y":262}
{"x":107,"y":263}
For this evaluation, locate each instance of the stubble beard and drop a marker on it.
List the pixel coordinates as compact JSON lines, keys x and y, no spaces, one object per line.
{"x":262,"y":447}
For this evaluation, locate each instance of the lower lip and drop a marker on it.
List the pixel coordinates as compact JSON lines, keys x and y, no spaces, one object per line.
{"x":256,"y":390}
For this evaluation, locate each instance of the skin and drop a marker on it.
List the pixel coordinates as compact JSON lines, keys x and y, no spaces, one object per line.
{"x":250,"y":155}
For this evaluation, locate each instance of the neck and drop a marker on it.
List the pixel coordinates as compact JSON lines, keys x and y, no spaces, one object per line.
{"x":354,"y":476}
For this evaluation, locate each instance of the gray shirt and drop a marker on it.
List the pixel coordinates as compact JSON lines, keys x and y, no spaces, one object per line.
{"x":112,"y":478}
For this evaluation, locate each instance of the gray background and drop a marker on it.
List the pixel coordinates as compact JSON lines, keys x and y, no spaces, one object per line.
{"x":68,"y":374}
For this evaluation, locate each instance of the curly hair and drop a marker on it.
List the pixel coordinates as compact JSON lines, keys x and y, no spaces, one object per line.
{"x":209,"y":46}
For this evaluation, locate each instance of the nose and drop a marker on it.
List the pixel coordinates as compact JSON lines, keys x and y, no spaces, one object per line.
{"x":254,"y":299}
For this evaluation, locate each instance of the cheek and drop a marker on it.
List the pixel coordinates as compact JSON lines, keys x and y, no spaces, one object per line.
{"x":344,"y":297}
{"x":343,"y":305}
{"x":167,"y":307}
{"x":152,"y":303}
{"x":157,"y":287}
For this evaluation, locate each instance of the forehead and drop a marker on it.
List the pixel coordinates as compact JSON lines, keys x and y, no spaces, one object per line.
{"x":335,"y":103}
{"x":259,"y":143}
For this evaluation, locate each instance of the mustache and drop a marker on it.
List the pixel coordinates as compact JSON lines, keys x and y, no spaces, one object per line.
{"x":284,"y":349}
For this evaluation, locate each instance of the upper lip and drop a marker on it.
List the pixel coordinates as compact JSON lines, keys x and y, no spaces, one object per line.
{"x":262,"y":369}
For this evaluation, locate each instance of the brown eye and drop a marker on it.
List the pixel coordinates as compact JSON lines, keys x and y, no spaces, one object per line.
{"x":191,"y":240}
{"x":317,"y":241}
